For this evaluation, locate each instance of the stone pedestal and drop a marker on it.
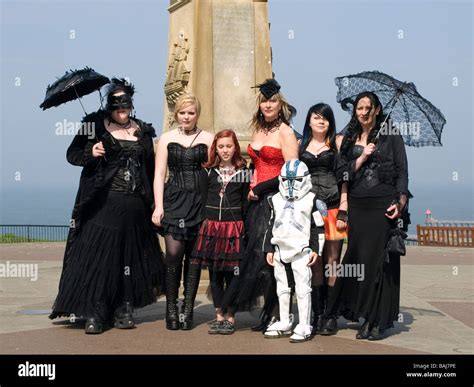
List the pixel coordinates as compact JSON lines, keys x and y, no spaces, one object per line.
{"x":218,"y":50}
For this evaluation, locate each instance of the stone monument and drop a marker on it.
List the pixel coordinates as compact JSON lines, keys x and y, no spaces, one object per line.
{"x":218,"y":50}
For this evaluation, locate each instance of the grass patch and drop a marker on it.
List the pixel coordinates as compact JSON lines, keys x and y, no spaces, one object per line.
{"x":12,"y":238}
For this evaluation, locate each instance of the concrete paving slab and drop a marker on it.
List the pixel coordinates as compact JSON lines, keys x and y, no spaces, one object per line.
{"x":435,"y":316}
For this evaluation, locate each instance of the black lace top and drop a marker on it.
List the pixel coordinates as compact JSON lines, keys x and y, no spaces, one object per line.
{"x":384,"y":173}
{"x":127,"y":179}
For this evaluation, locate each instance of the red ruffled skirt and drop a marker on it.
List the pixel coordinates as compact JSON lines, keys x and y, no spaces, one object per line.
{"x":219,"y":245}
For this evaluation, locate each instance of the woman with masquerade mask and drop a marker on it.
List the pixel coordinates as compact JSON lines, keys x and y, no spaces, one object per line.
{"x":374,"y":165}
{"x":178,"y":213}
{"x":273,"y":143}
{"x":112,"y":263}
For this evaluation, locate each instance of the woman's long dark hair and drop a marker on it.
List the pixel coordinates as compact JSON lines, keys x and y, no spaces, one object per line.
{"x":354,"y":129}
{"x":324,"y":110}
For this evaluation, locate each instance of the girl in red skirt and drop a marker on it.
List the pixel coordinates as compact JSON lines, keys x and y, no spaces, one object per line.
{"x":224,"y":184}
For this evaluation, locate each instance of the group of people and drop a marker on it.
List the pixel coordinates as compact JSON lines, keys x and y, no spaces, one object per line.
{"x":274,"y":229}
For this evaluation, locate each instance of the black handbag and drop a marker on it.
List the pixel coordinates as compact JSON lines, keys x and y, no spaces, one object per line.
{"x":396,"y":243}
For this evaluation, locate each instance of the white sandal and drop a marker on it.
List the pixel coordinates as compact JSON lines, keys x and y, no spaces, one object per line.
{"x":273,"y":331}
{"x":277,"y":334}
{"x":297,"y":338}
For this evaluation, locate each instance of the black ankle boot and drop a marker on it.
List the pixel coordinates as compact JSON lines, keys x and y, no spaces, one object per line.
{"x":376,"y":333}
{"x":93,"y":326}
{"x":172,"y":278}
{"x":190,"y":291}
{"x":330,"y":327}
{"x":123,"y":317}
{"x":320,"y":323}
{"x":364,"y":331}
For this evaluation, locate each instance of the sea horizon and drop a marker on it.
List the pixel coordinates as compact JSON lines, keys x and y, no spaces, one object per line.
{"x":22,"y":205}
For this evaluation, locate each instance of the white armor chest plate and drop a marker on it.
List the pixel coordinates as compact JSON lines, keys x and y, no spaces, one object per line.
{"x":292,"y":226}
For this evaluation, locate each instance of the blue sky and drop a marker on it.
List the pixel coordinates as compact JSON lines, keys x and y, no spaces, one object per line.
{"x":428,"y":43}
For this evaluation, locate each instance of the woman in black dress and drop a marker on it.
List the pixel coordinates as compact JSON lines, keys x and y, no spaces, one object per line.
{"x":318,"y":150}
{"x":178,"y":205}
{"x":374,"y":164}
{"x":113,"y":260}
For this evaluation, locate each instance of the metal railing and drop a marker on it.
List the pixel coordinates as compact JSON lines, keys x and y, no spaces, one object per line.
{"x":445,"y":236}
{"x":410,"y":241}
{"x":58,"y":233}
{"x":10,"y":233}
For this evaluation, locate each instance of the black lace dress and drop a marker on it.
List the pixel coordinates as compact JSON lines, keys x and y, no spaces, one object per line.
{"x":115,"y":256}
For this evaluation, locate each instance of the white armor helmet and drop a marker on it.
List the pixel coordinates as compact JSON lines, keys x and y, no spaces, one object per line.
{"x":295,"y":180}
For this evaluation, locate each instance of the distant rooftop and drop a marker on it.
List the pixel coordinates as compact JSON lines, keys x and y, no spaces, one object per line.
{"x":431,"y":221}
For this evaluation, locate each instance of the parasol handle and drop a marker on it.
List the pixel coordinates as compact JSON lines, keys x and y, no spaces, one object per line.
{"x":79,"y":98}
{"x":101,"y":99}
{"x":96,"y":138}
{"x":383,"y":123}
{"x":394,"y":101}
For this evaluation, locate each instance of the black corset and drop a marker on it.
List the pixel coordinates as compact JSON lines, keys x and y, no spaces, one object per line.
{"x":127,"y":179}
{"x":185,"y":164}
{"x":323,"y":176}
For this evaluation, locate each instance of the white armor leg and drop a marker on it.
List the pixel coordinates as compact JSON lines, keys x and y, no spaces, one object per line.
{"x":283,"y":327}
{"x":302,"y":273}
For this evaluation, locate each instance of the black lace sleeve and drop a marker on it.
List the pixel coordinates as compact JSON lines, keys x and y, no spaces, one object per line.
{"x":401,"y":165}
{"x":268,"y":186}
{"x":148,"y":133}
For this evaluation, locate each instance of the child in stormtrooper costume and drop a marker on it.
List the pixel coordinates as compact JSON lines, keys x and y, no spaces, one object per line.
{"x":293,"y":242}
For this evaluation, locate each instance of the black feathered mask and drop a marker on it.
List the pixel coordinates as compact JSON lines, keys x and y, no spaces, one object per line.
{"x":123,"y":101}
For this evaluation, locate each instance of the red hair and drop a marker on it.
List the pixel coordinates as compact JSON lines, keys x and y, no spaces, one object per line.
{"x":214,"y":159}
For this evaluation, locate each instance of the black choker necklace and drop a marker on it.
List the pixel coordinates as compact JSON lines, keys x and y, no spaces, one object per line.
{"x":126,"y":125}
{"x":270,"y":127}
{"x":187,"y":132}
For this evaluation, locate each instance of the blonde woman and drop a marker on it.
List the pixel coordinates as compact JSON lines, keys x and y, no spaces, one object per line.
{"x":178,"y":205}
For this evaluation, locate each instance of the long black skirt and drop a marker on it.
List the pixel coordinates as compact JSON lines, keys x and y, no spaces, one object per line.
{"x":255,"y":277}
{"x":375,"y":295}
{"x":115,"y":258}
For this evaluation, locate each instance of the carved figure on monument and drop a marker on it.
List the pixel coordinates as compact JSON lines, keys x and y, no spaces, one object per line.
{"x":217,"y":50}
{"x":177,"y":77}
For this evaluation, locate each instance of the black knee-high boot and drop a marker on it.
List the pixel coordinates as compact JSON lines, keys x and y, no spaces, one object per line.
{"x":172,"y":279}
{"x":191,"y":286}
{"x":330,"y":316}
{"x":185,"y":268}
{"x":317,"y":304}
